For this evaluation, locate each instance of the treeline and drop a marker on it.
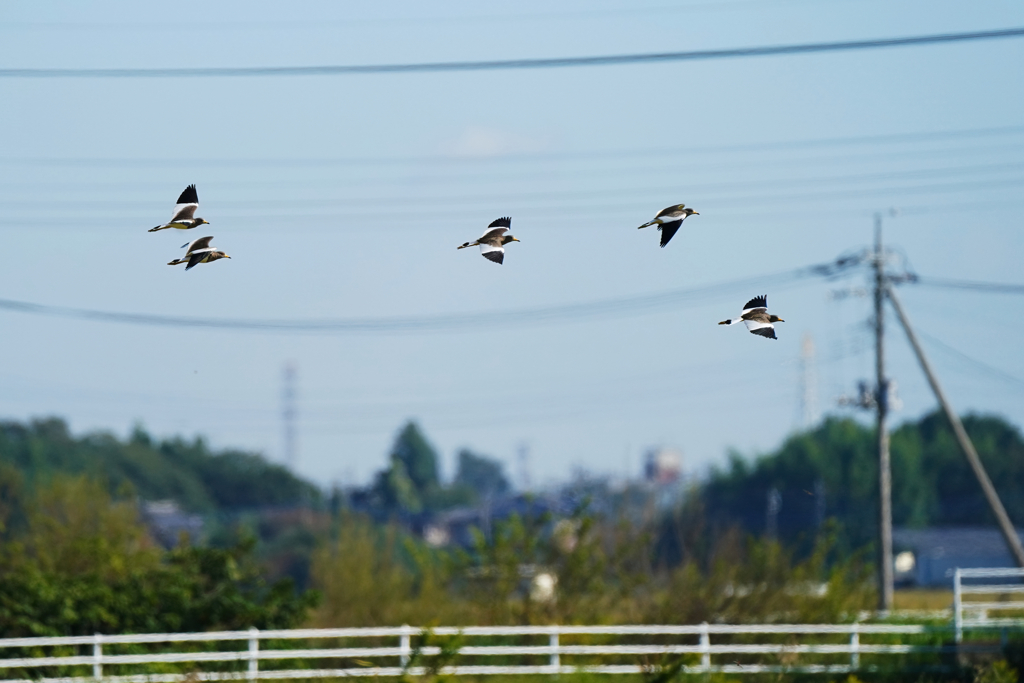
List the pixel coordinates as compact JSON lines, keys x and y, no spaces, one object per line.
{"x":832,"y":472}
{"x":188,"y":472}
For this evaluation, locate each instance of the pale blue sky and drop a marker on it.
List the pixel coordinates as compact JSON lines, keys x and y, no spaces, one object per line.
{"x":345,"y":196}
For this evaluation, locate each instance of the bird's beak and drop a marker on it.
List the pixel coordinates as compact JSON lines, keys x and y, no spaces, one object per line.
{"x":517,"y":239}
{"x":695,"y":213}
{"x":781,"y":320}
{"x":226,"y":256}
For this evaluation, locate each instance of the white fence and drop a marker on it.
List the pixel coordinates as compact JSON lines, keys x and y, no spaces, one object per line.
{"x":977,"y":610}
{"x":251,"y":655}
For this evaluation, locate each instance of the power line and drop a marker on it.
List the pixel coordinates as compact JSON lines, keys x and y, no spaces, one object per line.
{"x":991,"y":287}
{"x":619,"y":307}
{"x":985,"y":367}
{"x":586,"y":156}
{"x":514,"y":64}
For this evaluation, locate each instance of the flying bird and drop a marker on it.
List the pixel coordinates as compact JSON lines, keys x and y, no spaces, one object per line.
{"x":184,"y":212}
{"x":668,"y":221}
{"x":492,"y":244}
{"x":199,"y":251}
{"x":755,"y":316}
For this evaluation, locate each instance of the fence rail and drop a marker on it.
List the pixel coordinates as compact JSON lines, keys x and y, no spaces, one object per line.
{"x":981,"y":608}
{"x":804,"y":648}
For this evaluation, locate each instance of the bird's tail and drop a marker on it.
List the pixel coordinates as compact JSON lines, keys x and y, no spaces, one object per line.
{"x":729,"y":322}
{"x":647,"y":224}
{"x":467,"y":244}
{"x":159,"y":227}
{"x":177,"y":262}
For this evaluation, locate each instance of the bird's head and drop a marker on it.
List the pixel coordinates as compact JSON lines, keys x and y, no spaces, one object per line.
{"x":218,"y":254}
{"x":202,"y":221}
{"x":690,"y":212}
{"x":509,"y":238}
{"x":775,"y":319}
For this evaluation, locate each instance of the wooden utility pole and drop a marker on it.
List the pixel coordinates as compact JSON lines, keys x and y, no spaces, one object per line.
{"x":885,"y":566}
{"x":1009,"y":533}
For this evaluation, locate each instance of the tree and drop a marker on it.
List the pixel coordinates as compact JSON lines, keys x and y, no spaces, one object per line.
{"x":84,"y":564}
{"x":411,"y":483}
{"x":832,"y":471}
{"x":199,"y":479}
{"x":484,"y":476}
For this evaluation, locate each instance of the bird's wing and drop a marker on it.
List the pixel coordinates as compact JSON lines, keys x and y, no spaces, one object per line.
{"x":493,"y":235}
{"x":187,"y":204}
{"x":492,"y":253}
{"x":668,"y":211}
{"x":766,"y":331}
{"x":505,"y":222}
{"x":203,"y":243}
{"x":756,"y":302}
{"x":197,"y":257}
{"x":668,"y":230}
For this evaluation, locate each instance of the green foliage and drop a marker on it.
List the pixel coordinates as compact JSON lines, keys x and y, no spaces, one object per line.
{"x":83,"y":564}
{"x":932,"y":482}
{"x":199,"y":479}
{"x":996,"y":672}
{"x":411,"y":483}
{"x":480,"y":474}
{"x":376,"y":575}
{"x":432,"y":665}
{"x":538,"y":570}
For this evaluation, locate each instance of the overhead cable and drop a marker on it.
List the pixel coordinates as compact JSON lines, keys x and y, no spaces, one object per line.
{"x":486,"y":320}
{"x":992,"y":287}
{"x":511,"y":64}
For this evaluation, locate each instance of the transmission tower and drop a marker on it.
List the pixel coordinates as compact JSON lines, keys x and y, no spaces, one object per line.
{"x":523,"y":458}
{"x":808,"y":382}
{"x":288,"y":415}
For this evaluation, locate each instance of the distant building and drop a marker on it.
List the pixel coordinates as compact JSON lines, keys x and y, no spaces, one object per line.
{"x":456,"y":527}
{"x":663,"y":466}
{"x":927,"y":557}
{"x":663,"y":473}
{"x":167,"y":522}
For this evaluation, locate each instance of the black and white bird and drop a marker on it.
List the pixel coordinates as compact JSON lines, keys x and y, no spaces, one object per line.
{"x":492,"y":244}
{"x":755,"y":316}
{"x":668,"y":221}
{"x":199,"y":251}
{"x":184,"y":212}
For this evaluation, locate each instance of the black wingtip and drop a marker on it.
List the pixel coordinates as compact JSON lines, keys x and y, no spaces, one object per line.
{"x":505,"y":222}
{"x":495,"y":256}
{"x":668,"y":231}
{"x":757,"y":302}
{"x":766,"y":332}
{"x":189,"y":196}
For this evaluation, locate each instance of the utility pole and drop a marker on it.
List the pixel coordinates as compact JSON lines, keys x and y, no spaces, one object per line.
{"x":1009,"y":533}
{"x":885,"y":568}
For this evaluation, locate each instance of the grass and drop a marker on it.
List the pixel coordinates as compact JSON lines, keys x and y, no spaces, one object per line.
{"x":923,"y":598}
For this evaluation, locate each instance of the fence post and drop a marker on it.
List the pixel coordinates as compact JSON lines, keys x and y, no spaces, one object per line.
{"x":705,"y":647}
{"x":555,"y":661}
{"x":97,"y":656}
{"x":854,"y":646}
{"x":404,"y":646}
{"x":254,"y":648}
{"x":958,"y":606}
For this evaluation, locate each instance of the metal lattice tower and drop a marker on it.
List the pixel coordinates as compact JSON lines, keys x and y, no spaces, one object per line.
{"x":288,"y":415}
{"x":808,"y":382}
